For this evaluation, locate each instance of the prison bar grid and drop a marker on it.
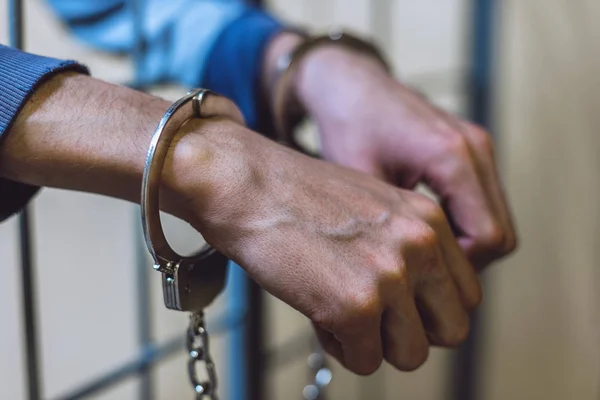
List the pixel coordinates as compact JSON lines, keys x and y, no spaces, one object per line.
{"x":249,"y":316}
{"x":465,"y":370}
{"x":16,"y":39}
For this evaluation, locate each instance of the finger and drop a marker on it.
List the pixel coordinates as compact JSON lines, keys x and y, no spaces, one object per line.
{"x":444,"y":318}
{"x":436,"y":296}
{"x":453,"y":258}
{"x":329,"y":343}
{"x":503,"y":239}
{"x":457,"y":181}
{"x":404,"y":339}
{"x":484,"y":154}
{"x":361,"y":348}
{"x":456,"y":176}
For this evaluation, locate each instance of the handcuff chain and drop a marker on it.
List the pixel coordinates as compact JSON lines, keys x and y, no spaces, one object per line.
{"x":199,"y":357}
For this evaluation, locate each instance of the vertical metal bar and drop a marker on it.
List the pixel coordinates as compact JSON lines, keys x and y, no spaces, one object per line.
{"x":480,"y":88}
{"x":17,"y":39}
{"x":29,"y":307}
{"x":255,"y":343}
{"x":139,"y":49}
{"x":254,"y":365}
{"x":15,"y":23}
{"x":466,"y":372}
{"x":237,"y":357}
{"x":144,"y":312}
{"x":144,"y":316}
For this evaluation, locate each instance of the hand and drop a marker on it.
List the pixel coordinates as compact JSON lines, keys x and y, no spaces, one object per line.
{"x":360,"y":258}
{"x":368,"y":263}
{"x":370,"y":122}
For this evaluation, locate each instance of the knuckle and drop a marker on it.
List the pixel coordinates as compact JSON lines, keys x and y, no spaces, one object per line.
{"x":493,"y":236}
{"x":359,"y":307}
{"x":455,"y":145}
{"x":423,"y":237}
{"x":421,"y":251}
{"x":391,"y":274}
{"x":453,"y":159}
{"x":431,"y":211}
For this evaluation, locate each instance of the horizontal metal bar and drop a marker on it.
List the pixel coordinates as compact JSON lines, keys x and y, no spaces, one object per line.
{"x":152,"y":355}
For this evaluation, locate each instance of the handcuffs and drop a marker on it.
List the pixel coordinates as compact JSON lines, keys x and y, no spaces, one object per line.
{"x":206,"y":270}
{"x":189,"y":283}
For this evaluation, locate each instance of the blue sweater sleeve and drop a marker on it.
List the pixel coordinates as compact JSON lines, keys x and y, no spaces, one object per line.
{"x":177,"y":35}
{"x":235,"y":63}
{"x":20,"y":74}
{"x":217,"y":44}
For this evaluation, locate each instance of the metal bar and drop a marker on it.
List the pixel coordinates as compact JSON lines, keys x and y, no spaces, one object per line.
{"x":254,"y":368}
{"x":466,"y":371}
{"x":144,"y":312}
{"x":152,"y":355}
{"x":29,"y":307}
{"x":17,"y":40}
{"x":139,"y":49}
{"x":237,"y":301}
{"x":255,"y":343}
{"x":15,"y":24}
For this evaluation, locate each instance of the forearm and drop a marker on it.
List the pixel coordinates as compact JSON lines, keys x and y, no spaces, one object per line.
{"x":83,"y":134}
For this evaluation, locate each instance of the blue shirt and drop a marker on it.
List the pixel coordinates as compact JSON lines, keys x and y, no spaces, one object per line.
{"x":216,"y":44}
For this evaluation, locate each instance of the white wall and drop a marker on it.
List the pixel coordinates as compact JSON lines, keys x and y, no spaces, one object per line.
{"x":544,"y":304}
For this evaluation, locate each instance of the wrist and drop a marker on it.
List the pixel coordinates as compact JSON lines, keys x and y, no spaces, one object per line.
{"x":278,"y":49}
{"x":334,"y":71}
{"x":215,"y":170}
{"x":317,"y":71}
{"x":79,"y":133}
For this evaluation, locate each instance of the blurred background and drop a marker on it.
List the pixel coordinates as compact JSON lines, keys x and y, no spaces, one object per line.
{"x":539,"y":331}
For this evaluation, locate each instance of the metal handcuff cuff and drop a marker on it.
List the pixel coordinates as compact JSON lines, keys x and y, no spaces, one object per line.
{"x":189,"y":283}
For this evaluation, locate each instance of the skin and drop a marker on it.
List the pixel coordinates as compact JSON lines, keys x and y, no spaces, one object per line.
{"x":383,"y":272}
{"x":372,"y":123}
